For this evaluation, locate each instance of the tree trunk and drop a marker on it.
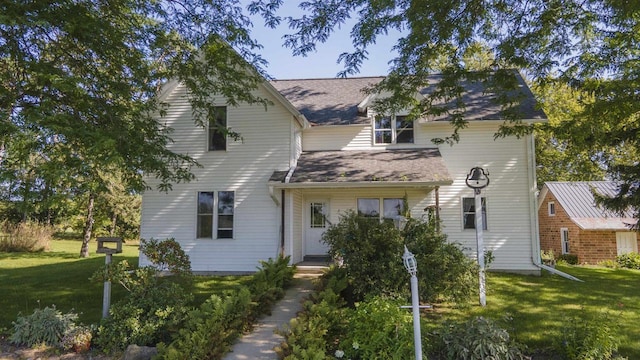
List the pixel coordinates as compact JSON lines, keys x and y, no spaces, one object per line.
{"x":114,"y":219}
{"x":84,"y":250}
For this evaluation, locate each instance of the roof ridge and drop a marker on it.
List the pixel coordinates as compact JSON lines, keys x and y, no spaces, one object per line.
{"x":332,"y":78}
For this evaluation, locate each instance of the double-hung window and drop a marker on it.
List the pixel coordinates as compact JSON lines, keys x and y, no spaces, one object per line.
{"x":392,"y":130}
{"x":215,"y":214}
{"x":469,"y":213}
{"x":218,"y":129}
{"x":391,"y":208}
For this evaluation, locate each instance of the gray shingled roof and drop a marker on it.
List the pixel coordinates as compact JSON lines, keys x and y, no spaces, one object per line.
{"x":577,"y":200}
{"x":331,"y":101}
{"x":334,"y":101}
{"x":419,"y":166}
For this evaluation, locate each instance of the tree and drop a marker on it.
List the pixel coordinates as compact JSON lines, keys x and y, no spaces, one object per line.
{"x":81,"y":81}
{"x":591,"y":46}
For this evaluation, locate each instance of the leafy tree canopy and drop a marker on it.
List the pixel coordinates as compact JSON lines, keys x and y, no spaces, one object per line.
{"x":589,"y":46}
{"x":79,"y":82}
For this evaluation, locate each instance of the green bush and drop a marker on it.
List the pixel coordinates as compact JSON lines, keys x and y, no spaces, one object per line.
{"x":153,"y":310}
{"x":210,"y":330}
{"x":477,"y":339}
{"x":586,"y":337}
{"x":444,"y":271}
{"x":379,"y":329}
{"x":155,"y":307}
{"x":269,"y":282}
{"x":629,"y":261}
{"x":27,"y":236}
{"x":45,"y":326}
{"x":315,"y":333}
{"x":570,"y":259}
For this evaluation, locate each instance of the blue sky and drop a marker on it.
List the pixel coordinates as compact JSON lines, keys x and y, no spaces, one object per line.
{"x":322,"y":63}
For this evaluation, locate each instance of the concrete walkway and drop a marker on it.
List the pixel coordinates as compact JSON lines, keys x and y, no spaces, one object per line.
{"x":259,"y":344}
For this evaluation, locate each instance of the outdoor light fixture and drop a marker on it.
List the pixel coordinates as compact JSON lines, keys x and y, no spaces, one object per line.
{"x":478,"y":179}
{"x":411,"y":265}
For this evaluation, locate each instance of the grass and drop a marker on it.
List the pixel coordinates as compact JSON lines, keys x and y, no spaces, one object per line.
{"x":541,"y":306}
{"x":60,"y":277}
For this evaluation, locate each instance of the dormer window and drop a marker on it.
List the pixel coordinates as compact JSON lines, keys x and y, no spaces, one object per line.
{"x":392,"y":129}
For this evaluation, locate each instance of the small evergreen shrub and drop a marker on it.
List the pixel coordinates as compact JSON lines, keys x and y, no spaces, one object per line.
{"x":45,"y":326}
{"x":269,"y":282}
{"x":210,"y":330}
{"x":629,"y":261}
{"x":586,"y":337}
{"x":317,"y":330}
{"x":570,"y":259}
{"x":477,"y":339}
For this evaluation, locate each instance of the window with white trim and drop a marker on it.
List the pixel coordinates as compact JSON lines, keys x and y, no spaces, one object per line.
{"x":564,"y":240}
{"x":215,"y":214}
{"x":218,"y":129}
{"x":469,"y":213}
{"x":552,"y":208}
{"x":392,"y":129}
{"x":377,"y":208}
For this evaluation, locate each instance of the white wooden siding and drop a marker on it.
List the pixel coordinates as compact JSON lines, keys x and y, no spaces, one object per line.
{"x":244,"y":168}
{"x":353,"y":137}
{"x":296,"y":236}
{"x":509,"y":234}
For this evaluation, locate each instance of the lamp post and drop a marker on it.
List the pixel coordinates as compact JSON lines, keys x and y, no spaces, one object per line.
{"x":411,"y":265}
{"x":478,"y":179}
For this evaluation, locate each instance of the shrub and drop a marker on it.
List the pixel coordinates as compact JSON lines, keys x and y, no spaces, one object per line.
{"x":315,"y":333}
{"x":269,"y":282}
{"x":155,"y":307}
{"x":630,"y":260}
{"x":379,"y":329}
{"x":210,"y":330}
{"x":612,"y":264}
{"x":570,"y":259}
{"x":152,"y":311}
{"x":587,"y":337}
{"x":444,"y":271}
{"x":25,"y":237}
{"x":477,"y":339}
{"x":45,"y":326}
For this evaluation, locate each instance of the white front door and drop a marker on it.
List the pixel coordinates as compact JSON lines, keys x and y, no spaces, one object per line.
{"x":626,"y":242}
{"x":316,"y":214}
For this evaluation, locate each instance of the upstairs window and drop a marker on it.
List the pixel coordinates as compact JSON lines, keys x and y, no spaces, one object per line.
{"x":469,"y":213}
{"x":393,"y":130}
{"x":552,"y":209}
{"x":217,"y":129}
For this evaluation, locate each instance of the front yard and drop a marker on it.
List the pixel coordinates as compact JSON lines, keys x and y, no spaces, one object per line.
{"x":542,"y":307}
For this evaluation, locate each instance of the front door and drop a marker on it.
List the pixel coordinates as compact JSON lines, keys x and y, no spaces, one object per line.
{"x":315,"y":225}
{"x":626,"y":242}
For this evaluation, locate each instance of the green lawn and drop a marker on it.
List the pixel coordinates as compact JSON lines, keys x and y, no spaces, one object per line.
{"x":539,"y":305}
{"x":60,"y":277}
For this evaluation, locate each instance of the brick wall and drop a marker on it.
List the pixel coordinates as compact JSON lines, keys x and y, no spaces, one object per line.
{"x":591,"y":247}
{"x":550,"y":227}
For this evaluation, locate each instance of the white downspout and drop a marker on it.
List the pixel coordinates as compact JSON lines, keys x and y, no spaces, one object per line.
{"x":535,"y":244}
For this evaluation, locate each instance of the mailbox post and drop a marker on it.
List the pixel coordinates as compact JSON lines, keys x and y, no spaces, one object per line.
{"x":108,"y":251}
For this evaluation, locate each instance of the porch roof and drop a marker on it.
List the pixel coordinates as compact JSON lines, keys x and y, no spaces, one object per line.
{"x":370,"y":168}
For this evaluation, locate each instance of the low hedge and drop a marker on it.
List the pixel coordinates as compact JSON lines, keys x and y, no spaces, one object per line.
{"x":210,"y":330}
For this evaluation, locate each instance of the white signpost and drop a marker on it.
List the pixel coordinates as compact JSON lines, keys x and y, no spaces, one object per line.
{"x":478,"y":179}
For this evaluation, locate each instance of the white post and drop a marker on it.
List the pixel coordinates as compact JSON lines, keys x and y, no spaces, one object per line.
{"x":480,"y":242}
{"x":417,"y":338}
{"x":106,"y":294}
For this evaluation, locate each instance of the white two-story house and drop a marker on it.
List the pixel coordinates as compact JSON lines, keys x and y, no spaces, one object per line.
{"x":319,"y":151}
